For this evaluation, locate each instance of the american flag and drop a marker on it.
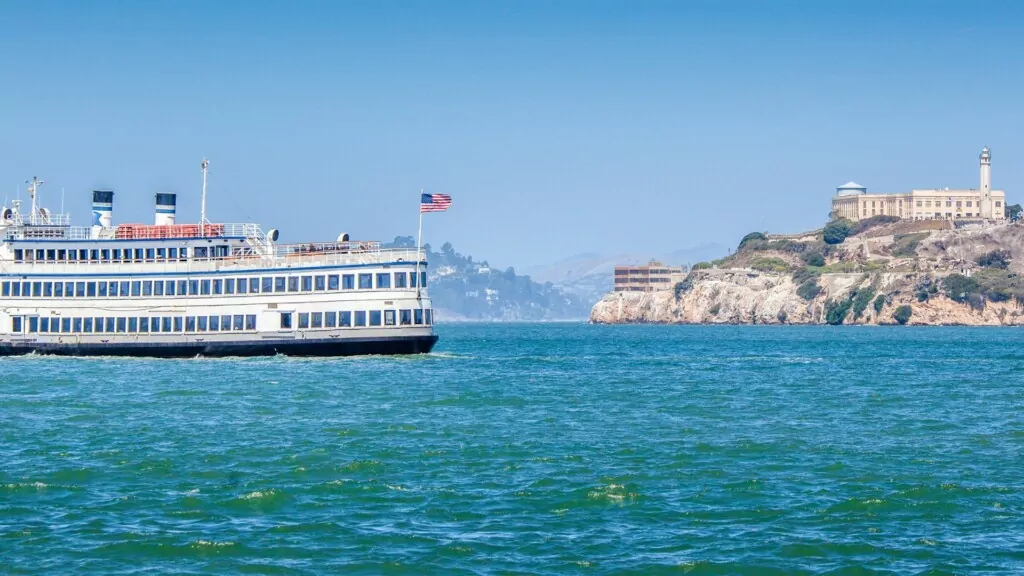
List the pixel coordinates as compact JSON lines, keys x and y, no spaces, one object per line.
{"x":434,"y":202}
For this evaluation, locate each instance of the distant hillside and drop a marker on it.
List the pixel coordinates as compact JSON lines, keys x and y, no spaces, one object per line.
{"x":590,"y":275}
{"x":463,"y":289}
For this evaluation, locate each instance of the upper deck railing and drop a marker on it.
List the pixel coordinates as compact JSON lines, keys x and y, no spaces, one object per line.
{"x":57,"y":229}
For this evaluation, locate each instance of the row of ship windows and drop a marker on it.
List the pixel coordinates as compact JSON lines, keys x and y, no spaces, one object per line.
{"x":358,"y":318}
{"x":212,"y":286}
{"x":119,"y":255}
{"x":220,"y":323}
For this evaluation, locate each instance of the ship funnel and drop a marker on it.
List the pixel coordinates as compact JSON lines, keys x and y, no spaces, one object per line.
{"x":166,"y":206}
{"x":102,"y":210}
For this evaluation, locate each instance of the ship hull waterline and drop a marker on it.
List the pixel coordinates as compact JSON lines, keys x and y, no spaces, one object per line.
{"x":323,"y":347}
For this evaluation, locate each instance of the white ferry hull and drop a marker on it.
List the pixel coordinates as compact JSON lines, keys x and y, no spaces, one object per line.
{"x":352,"y":346}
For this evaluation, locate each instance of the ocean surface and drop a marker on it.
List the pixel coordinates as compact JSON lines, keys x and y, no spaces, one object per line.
{"x":528,"y":449}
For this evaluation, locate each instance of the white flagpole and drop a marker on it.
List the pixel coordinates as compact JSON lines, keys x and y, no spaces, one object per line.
{"x":419,"y":241}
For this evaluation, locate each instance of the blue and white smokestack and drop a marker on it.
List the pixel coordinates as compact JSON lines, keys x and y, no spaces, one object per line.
{"x":102,"y":210}
{"x":166,"y":208}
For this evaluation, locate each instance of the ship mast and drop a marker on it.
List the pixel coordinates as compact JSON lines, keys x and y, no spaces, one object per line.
{"x":33,"y":188}
{"x":202,"y":214}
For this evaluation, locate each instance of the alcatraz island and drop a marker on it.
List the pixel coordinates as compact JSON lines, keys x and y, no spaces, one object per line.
{"x":925,"y":257}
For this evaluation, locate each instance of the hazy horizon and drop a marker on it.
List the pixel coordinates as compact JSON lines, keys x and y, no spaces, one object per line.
{"x":557,"y":128}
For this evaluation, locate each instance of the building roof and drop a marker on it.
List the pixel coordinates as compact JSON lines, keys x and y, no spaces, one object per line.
{"x":851,"y":185}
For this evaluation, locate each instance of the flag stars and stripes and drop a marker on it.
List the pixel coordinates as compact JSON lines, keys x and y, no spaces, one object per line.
{"x":434,"y":202}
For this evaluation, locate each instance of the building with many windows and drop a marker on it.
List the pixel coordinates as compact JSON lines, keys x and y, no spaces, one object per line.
{"x":852,"y":201}
{"x":649,"y":277}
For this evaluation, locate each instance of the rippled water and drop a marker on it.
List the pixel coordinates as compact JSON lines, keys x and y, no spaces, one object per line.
{"x":528,"y":449}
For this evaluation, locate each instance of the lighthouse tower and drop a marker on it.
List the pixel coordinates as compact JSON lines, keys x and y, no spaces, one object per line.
{"x":986,"y":182}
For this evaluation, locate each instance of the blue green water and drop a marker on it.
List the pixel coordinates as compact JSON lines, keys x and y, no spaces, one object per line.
{"x":528,"y":449}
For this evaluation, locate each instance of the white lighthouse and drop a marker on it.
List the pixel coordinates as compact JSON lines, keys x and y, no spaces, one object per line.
{"x":985,"y":186}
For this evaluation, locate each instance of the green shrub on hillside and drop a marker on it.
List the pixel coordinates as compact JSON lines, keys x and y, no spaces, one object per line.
{"x":861,"y":301}
{"x":701,"y":266}
{"x":836,"y":231}
{"x":813,"y":258}
{"x":959,"y":288}
{"x":752,"y":237}
{"x":879,"y":303}
{"x":999,"y":285}
{"x":871,"y":222}
{"x":769,"y":265}
{"x":809,"y":289}
{"x":801,"y":275}
{"x":995,"y":259}
{"x":835,"y":312}
{"x":902,"y":314}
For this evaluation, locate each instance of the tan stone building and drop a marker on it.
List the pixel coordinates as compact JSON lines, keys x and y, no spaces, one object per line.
{"x":853,"y":201}
{"x":650,"y":277}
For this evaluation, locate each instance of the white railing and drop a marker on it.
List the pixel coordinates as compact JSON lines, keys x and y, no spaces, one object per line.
{"x":56,"y":228}
{"x":283,"y":257}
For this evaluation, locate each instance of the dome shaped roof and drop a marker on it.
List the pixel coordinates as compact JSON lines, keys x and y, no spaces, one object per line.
{"x":851,"y":186}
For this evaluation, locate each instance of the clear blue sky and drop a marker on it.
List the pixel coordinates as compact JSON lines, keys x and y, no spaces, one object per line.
{"x":557,"y":127}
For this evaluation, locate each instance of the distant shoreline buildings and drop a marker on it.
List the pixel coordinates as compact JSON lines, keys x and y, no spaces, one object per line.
{"x":852,"y":201}
{"x":649,"y":277}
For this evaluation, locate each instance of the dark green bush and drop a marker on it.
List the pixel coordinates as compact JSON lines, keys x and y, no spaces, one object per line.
{"x":809,"y":289}
{"x":995,"y":259}
{"x":902,"y":314}
{"x":701,"y":266}
{"x":835,"y":312}
{"x":752,"y":237}
{"x":813,"y":259}
{"x":836,"y":231}
{"x":714,"y":310}
{"x":959,"y":288}
{"x":879,"y":303}
{"x":861,"y":301}
{"x":782,"y":316}
{"x":801,"y":275}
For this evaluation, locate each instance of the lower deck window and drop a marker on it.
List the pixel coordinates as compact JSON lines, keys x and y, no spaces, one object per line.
{"x":389,"y":317}
{"x":360,"y":319}
{"x":405,"y":317}
{"x":374,"y":317}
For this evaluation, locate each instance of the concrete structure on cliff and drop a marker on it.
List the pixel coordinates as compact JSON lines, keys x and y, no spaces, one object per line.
{"x":650,"y":277}
{"x":852,"y":201}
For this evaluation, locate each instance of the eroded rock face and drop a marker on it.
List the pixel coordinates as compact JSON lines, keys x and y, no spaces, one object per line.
{"x":749,"y":297}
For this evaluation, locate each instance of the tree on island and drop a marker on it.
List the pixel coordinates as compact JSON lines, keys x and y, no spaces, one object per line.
{"x":836,"y":231}
{"x":1013,"y":212}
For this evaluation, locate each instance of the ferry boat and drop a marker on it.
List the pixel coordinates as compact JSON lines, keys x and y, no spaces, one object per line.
{"x":207,"y":289}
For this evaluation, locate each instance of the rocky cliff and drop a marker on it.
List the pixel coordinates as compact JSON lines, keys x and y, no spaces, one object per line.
{"x":884,"y":276}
